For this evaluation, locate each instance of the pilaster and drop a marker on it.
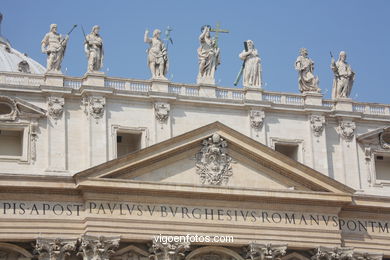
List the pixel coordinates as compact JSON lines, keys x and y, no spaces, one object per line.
{"x":56,"y":124}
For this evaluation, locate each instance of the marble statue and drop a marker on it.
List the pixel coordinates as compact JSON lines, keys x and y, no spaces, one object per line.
{"x":209,"y":58}
{"x":157,"y":55}
{"x":343,"y":77}
{"x":54,"y":45}
{"x":305,"y":67}
{"x":252,"y":66}
{"x":93,"y":47}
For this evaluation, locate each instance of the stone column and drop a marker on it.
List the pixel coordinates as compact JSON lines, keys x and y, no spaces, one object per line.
{"x":56,"y":124}
{"x":97,"y":248}
{"x":94,"y":108}
{"x":168,"y":250}
{"x":162,"y":121}
{"x":265,"y":251}
{"x":54,"y":249}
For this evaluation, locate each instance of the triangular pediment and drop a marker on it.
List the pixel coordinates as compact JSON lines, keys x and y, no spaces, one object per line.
{"x":176,"y":161}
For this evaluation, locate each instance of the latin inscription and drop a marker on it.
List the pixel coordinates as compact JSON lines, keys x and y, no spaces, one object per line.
{"x":181,"y":213}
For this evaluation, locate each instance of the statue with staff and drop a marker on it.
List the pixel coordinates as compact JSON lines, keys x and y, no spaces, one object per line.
{"x":343,"y":76}
{"x":54,"y":45}
{"x":251,"y":67}
{"x":157,"y":55}
{"x":93,"y":47}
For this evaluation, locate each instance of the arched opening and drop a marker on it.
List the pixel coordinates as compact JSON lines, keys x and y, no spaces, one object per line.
{"x":13,"y":252}
{"x":213,"y":253}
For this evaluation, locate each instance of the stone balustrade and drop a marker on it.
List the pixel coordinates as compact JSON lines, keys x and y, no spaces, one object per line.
{"x":194,"y":90}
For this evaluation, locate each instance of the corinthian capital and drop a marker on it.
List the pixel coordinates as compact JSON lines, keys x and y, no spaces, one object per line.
{"x":168,"y":250}
{"x":266,"y":251}
{"x":54,"y":249}
{"x":97,"y":248}
{"x":367,"y":256}
{"x":335,"y":253}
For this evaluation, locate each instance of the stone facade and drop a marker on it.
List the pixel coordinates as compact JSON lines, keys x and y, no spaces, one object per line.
{"x":80,"y":120}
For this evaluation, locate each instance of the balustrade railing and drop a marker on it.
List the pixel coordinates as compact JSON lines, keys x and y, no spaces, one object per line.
{"x":274,"y":98}
{"x":23,"y":79}
{"x":7,"y":78}
{"x":175,"y":89}
{"x":72,"y":83}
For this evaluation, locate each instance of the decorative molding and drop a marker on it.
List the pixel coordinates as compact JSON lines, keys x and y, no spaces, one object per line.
{"x":11,"y":103}
{"x":161,"y":111}
{"x":367,"y":256}
{"x":213,"y":164}
{"x":34,"y":138}
{"x":168,"y":250}
{"x":335,"y":253}
{"x":94,"y":106}
{"x":265,"y":251}
{"x":256,"y":118}
{"x":317,"y":124}
{"x":54,"y":249}
{"x":346,"y":129}
{"x":55,"y":107}
{"x":384,"y":139}
{"x":343,"y":253}
{"x":97,"y":248}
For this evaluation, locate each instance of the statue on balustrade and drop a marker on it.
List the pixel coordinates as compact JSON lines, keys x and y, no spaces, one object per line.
{"x":93,"y":47}
{"x":305,"y":67}
{"x":251,"y":66}
{"x":54,"y":45}
{"x":157,"y":55}
{"x":208,"y":55}
{"x":343,"y":77}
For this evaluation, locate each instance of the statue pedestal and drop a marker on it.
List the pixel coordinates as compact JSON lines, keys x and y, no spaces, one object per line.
{"x":313,"y":98}
{"x":343,"y":104}
{"x":54,"y":78}
{"x":253,"y":93}
{"x":160,"y":85}
{"x":205,"y":81}
{"x":95,"y":78}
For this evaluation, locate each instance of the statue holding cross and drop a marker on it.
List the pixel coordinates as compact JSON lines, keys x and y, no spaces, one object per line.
{"x":208,"y":55}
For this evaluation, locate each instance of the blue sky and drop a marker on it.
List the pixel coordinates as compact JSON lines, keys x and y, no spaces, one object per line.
{"x":278,"y":28}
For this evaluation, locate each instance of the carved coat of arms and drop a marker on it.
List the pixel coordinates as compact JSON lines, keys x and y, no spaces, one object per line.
{"x":213,"y":164}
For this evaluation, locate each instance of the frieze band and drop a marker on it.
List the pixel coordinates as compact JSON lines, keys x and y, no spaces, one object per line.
{"x":172,"y":212}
